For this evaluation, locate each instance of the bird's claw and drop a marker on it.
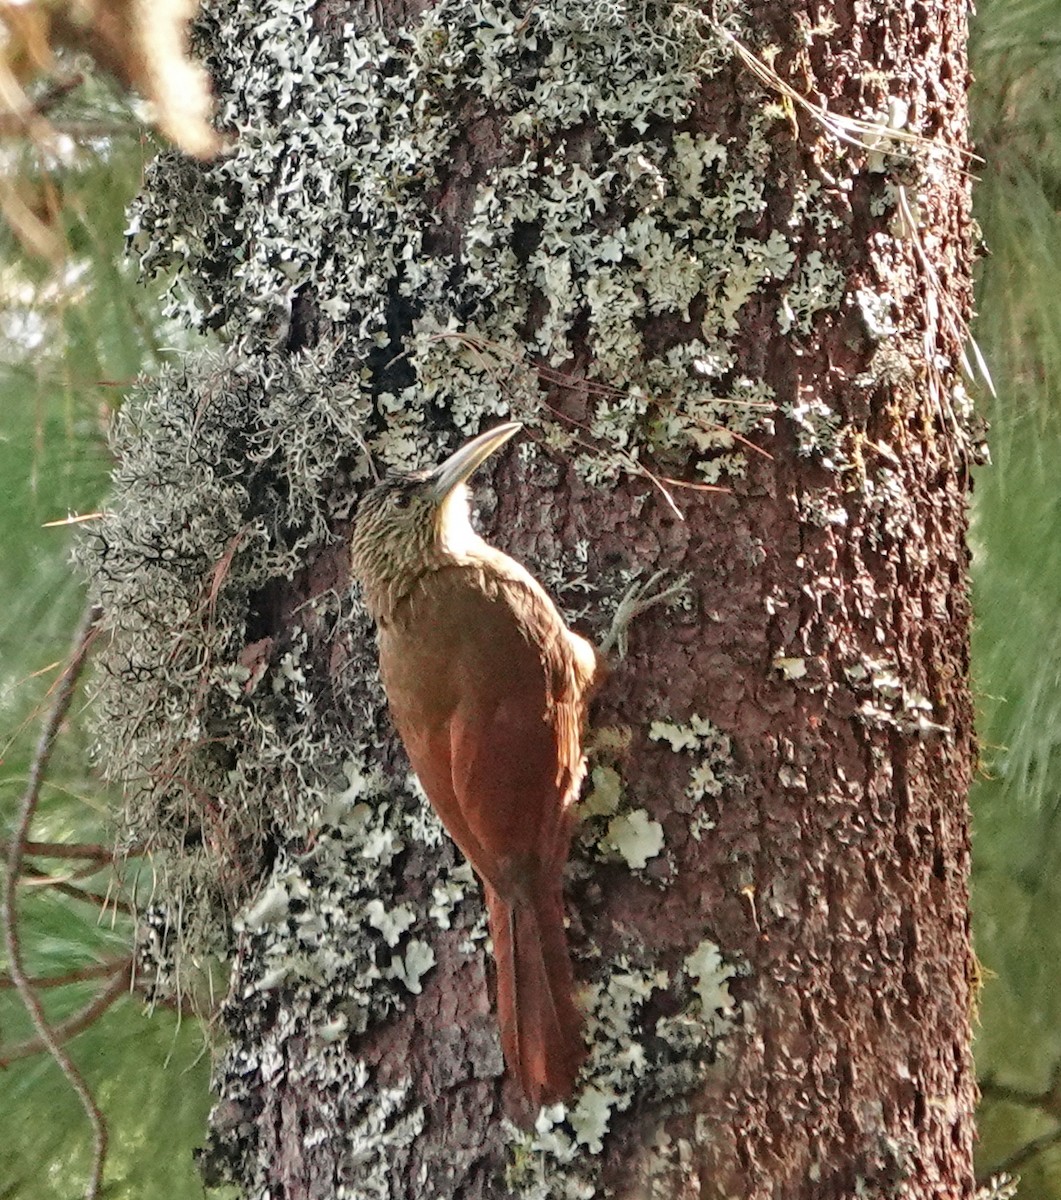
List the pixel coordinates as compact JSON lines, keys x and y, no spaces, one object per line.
{"x":635,"y":601}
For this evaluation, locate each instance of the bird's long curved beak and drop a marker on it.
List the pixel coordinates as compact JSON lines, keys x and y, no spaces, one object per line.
{"x":461,"y":463}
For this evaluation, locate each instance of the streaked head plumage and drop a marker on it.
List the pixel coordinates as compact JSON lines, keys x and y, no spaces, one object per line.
{"x":413,"y":522}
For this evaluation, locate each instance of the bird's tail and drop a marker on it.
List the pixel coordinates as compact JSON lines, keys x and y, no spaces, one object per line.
{"x":541,"y":1028}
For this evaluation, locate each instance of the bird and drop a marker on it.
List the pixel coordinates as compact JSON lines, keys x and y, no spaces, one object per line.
{"x":489,"y":691}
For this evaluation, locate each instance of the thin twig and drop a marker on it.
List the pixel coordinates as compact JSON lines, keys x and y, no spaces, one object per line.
{"x":77,"y":975}
{"x":35,"y":878}
{"x":1048,"y":1101}
{"x":28,"y":117}
{"x":1030,"y":1150}
{"x":958,"y":327}
{"x":87,"y":870}
{"x":102,"y":854}
{"x":873,"y":135}
{"x":75,"y":1024}
{"x":15,"y":853}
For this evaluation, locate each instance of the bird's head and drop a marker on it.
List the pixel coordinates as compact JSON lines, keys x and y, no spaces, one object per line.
{"x":409,"y":523}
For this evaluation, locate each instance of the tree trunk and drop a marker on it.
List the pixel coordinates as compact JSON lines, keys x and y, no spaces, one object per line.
{"x":598,"y":219}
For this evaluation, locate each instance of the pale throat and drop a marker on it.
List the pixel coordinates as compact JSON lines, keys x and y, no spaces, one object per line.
{"x":453,"y":526}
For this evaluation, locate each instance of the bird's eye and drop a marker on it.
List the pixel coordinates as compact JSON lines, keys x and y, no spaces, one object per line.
{"x":400,"y":499}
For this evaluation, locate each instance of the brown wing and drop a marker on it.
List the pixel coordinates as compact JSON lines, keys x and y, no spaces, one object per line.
{"x":484,"y":691}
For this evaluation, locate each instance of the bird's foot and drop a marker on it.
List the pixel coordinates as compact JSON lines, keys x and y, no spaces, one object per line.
{"x":639,"y":598}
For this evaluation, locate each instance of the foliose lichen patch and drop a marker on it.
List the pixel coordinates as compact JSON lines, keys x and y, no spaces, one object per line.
{"x":525,"y":179}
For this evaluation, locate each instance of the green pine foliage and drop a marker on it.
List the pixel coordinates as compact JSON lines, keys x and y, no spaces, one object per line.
{"x":1017,"y":586}
{"x":74,"y":332}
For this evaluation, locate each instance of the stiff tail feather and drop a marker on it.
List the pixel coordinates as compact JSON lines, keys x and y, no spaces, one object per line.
{"x":541,"y":1028}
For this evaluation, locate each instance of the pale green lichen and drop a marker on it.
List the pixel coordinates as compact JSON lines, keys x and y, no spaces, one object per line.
{"x":689,"y":736}
{"x":888,"y":701}
{"x":556,"y":1159}
{"x":712,"y":772}
{"x":818,"y":427}
{"x":392,"y":922}
{"x":999,"y":1187}
{"x":610,"y":1080}
{"x":448,"y":893}
{"x":332,"y":190}
{"x":609,"y":828}
{"x":790,"y":666}
{"x":604,"y":793}
{"x":619,"y":1068}
{"x":705,"y":964}
{"x":413,"y":965}
{"x":636,"y":837}
{"x":876,"y":309}
{"x":818,"y":286}
{"x":226,"y":743}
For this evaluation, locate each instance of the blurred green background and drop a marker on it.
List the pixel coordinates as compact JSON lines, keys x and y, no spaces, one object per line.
{"x":1016,"y":114}
{"x":73,"y":337}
